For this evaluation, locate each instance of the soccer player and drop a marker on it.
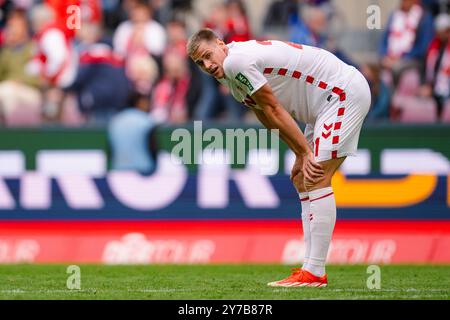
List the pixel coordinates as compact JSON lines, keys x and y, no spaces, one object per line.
{"x":281,"y":82}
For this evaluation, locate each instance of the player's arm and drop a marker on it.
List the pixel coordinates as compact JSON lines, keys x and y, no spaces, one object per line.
{"x":274,"y":116}
{"x":263,"y":119}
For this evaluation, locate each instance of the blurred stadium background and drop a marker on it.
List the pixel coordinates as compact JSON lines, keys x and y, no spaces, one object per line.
{"x":90,"y":95}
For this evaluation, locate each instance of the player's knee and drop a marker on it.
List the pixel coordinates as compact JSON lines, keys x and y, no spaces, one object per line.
{"x":330,"y":167}
{"x":299,"y":182}
{"x":323,"y":182}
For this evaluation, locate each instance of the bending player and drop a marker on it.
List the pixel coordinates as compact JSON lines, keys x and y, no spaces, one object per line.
{"x":280,"y":81}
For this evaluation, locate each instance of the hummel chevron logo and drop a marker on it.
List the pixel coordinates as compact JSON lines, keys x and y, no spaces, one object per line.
{"x":327,"y":132}
{"x":326,"y":135}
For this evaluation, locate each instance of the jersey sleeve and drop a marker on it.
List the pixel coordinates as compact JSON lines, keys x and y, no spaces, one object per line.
{"x":243,"y":71}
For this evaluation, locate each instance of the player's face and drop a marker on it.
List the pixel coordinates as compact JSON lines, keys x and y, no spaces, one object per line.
{"x":210,"y":56}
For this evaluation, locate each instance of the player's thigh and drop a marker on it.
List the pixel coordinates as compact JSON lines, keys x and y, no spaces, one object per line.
{"x":337,"y":129}
{"x":309,"y":134}
{"x":331,"y":166}
{"x":299,"y":182}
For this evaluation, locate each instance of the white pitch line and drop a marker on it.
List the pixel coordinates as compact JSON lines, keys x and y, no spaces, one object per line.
{"x":372,"y":292}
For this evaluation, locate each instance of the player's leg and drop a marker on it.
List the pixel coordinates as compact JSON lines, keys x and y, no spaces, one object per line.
{"x":299,"y":185}
{"x":323,"y":216}
{"x":303,"y":195}
{"x":298,"y":182}
{"x":336,"y":135}
{"x":318,"y":225}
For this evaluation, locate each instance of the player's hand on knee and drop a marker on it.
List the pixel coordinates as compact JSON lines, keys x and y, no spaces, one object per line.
{"x":312,"y":170}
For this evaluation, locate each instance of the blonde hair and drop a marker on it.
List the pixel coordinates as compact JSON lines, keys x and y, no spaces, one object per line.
{"x":205,"y":34}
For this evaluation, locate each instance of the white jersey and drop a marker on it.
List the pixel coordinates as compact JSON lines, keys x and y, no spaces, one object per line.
{"x":304,"y":79}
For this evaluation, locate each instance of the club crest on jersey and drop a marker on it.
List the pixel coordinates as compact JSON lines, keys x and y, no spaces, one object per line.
{"x":243,"y":79}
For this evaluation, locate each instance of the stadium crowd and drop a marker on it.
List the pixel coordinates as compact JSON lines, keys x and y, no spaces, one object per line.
{"x":81,"y":62}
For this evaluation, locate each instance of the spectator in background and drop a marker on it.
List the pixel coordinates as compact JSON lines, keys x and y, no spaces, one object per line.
{"x":161,"y":10}
{"x":176,"y":43}
{"x":215,"y":97}
{"x":229,"y":19}
{"x":279,"y":14}
{"x":437,"y":76}
{"x":406,"y":39}
{"x":18,"y":90}
{"x":140,"y":35}
{"x":437,"y":6}
{"x":101,"y":85}
{"x":217,"y":19}
{"x":143,"y":71}
{"x":312,"y":30}
{"x":55,"y":60}
{"x":91,"y":11}
{"x":176,"y":37}
{"x":381,"y":94}
{"x":131,"y":137}
{"x":59,"y":14}
{"x":5,"y":7}
{"x":169,"y":99}
{"x":237,"y":24}
{"x":114,"y":12}
{"x":166,"y":10}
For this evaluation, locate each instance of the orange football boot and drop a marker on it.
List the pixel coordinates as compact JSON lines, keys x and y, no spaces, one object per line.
{"x":301,"y":278}
{"x":284,"y":282}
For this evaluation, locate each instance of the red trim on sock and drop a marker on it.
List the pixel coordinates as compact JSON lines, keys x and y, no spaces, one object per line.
{"x":327,"y":195}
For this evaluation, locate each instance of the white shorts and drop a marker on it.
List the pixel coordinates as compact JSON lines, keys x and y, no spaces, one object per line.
{"x":335,"y":133}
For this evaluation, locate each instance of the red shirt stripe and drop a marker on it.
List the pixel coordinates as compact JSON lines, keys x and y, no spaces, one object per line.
{"x":337,"y":90}
{"x":323,"y":85}
{"x":296,"y":74}
{"x":282,"y":72}
{"x":324,"y":196}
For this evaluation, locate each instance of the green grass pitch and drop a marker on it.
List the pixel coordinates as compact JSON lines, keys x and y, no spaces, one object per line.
{"x":181,"y":282}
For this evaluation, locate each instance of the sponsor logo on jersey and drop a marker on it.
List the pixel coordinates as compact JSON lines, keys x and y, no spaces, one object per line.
{"x":243,"y":79}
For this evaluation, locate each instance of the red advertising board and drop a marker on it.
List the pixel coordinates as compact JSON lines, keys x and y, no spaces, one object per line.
{"x":382,"y":242}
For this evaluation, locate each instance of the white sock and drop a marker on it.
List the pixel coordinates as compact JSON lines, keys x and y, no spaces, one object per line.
{"x":304,"y":200}
{"x":323,"y":210}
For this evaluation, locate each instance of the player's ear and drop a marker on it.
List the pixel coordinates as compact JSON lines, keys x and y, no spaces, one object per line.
{"x":220,"y":42}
